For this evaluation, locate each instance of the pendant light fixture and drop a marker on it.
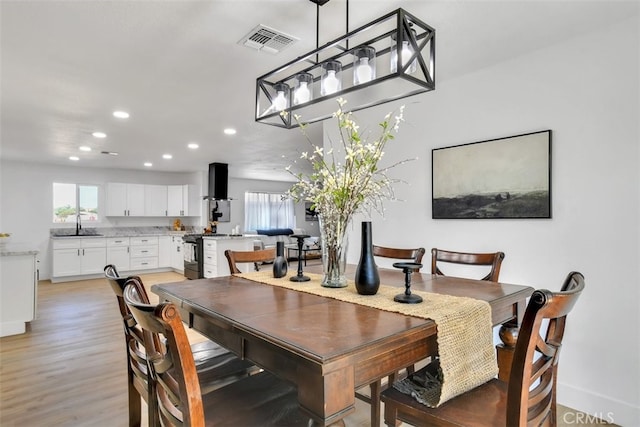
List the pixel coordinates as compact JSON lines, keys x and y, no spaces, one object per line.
{"x":363,"y":67}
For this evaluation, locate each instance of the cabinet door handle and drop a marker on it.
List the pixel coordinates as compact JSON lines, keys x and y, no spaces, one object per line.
{"x":144,"y":252}
{"x":83,"y":252}
{"x":78,"y":252}
{"x":118,"y":241}
{"x":127,"y":249}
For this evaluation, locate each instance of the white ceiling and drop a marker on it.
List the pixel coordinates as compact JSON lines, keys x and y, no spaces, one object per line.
{"x":177,"y":68}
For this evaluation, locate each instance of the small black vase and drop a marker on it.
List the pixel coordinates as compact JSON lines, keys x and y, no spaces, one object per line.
{"x":367,"y":277}
{"x":280,"y":263}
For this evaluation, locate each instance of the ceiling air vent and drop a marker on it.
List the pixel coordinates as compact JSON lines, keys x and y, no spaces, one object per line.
{"x":267,"y":39}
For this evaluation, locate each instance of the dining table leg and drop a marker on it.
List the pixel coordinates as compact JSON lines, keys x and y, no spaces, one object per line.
{"x":509,"y":336}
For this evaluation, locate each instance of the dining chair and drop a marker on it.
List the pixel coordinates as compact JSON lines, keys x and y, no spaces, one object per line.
{"x":529,"y":397}
{"x":216,"y":366}
{"x":492,"y":260}
{"x":257,"y":400}
{"x":259,"y":256}
{"x":415,"y":255}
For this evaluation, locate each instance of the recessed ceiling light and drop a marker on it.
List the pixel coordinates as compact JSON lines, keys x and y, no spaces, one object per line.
{"x":167,"y":156}
{"x":99,"y":134}
{"x":121,"y":114}
{"x":85,"y":148}
{"x":193,"y":145}
{"x":74,"y":158}
{"x":148,"y":164}
{"x":230,"y":131}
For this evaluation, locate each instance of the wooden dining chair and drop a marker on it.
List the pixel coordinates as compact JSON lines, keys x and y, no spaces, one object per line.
{"x":415,"y":255}
{"x":216,"y":365}
{"x":255,"y":257}
{"x":529,"y":398}
{"x":257,"y":400}
{"x":492,"y":260}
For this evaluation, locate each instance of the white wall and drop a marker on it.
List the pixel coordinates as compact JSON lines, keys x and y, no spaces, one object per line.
{"x":586,"y":91}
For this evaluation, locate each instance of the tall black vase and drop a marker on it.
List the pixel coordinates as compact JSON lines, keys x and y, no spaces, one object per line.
{"x":367,"y":277}
{"x":280,"y":263}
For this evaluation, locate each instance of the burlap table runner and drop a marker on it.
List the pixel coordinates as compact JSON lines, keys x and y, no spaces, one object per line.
{"x":465,"y":339}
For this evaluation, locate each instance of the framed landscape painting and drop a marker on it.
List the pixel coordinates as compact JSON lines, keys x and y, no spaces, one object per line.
{"x":499,"y":178}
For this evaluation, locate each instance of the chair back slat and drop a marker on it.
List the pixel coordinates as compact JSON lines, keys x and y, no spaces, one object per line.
{"x":492,"y":260}
{"x":531,"y":397}
{"x":236,"y":257}
{"x":415,"y":255}
{"x":172,"y":365}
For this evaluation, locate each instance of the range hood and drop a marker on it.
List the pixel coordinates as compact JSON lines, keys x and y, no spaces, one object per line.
{"x":218,"y":181}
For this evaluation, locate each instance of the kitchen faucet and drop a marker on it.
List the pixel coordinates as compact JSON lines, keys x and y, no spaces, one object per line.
{"x":78,"y":224}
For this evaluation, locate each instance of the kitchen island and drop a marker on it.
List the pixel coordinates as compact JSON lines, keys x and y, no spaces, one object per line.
{"x":18,"y":287}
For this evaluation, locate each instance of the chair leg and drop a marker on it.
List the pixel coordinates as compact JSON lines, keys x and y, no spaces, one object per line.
{"x":135,"y":416}
{"x":376,"y":389}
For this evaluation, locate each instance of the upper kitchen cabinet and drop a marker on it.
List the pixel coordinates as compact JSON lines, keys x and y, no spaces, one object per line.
{"x":183,"y":200}
{"x":155,"y":200}
{"x":125,"y":199}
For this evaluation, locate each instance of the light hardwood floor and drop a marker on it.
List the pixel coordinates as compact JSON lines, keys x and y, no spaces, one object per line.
{"x":69,"y":368}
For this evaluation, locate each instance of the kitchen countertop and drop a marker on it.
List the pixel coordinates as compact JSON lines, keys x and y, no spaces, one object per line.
{"x":14,"y":249}
{"x":69,"y":233}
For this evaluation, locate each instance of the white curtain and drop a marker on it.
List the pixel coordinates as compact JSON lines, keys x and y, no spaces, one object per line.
{"x":268,"y":210}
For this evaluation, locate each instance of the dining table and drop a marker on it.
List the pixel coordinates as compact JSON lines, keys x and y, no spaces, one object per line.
{"x":327,"y":347}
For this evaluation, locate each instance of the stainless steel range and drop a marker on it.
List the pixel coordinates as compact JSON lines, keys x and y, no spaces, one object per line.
{"x":193,"y":256}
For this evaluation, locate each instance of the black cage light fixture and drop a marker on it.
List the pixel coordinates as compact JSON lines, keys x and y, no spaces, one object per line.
{"x":387,"y":59}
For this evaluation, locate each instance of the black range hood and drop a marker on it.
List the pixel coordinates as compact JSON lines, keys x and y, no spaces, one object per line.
{"x":218,"y":181}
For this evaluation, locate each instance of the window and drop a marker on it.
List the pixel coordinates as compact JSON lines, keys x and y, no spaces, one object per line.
{"x":71,"y":199}
{"x":268,"y":210}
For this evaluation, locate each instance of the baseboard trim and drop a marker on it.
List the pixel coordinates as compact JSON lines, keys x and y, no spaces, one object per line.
{"x":597,"y":406}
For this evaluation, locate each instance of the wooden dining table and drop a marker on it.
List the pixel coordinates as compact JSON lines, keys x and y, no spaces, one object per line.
{"x":328,"y":348}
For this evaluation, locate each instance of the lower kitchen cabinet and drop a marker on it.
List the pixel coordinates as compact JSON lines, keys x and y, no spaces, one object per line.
{"x":118,"y":253}
{"x":144,"y":253}
{"x":215,"y":264}
{"x":18,"y":292}
{"x":78,"y":256}
{"x":176,"y":258}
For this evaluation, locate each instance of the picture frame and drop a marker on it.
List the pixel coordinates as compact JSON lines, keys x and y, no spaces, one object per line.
{"x":506,"y":177}
{"x":310,"y":214}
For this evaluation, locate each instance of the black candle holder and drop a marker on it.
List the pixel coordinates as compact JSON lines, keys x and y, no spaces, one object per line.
{"x":407,"y":297}
{"x":300,"y":277}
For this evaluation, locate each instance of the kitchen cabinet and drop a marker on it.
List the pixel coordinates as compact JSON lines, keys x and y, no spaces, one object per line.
{"x":164,"y":251}
{"x":155,"y":200}
{"x":177,"y":254}
{"x":183,"y":200}
{"x":215,"y":264}
{"x":125,"y":199}
{"x":78,"y":256}
{"x":18,"y":291}
{"x":144,"y":252}
{"x":118,"y":253}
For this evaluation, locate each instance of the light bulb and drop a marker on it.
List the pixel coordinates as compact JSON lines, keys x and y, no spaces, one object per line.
{"x":280,"y":102}
{"x":364,"y":71}
{"x":302,"y":94}
{"x":330,"y":83}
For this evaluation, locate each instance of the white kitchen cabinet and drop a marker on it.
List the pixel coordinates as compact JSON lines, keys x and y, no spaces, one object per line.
{"x":144,"y":253}
{"x":125,"y":199}
{"x":155,"y":200}
{"x":183,"y":200}
{"x":93,"y":260}
{"x":118,"y":253}
{"x":77,"y":256}
{"x":18,"y":291}
{"x":177,"y":254}
{"x":215,"y":264}
{"x":164,"y":251}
